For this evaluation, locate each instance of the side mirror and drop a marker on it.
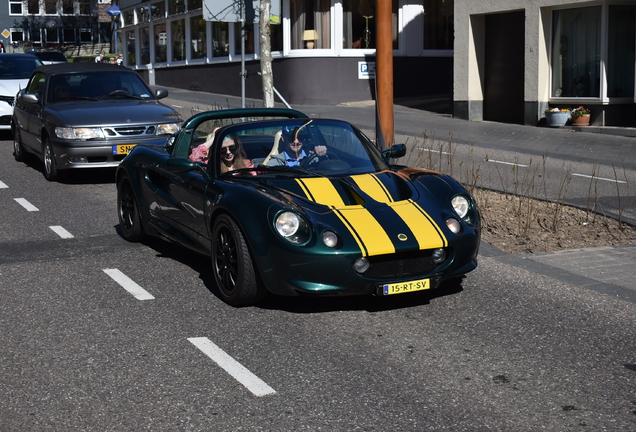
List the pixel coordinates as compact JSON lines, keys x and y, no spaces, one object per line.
{"x":180,"y":165}
{"x":397,"y":151}
{"x":161,"y":93}
{"x":29,"y":98}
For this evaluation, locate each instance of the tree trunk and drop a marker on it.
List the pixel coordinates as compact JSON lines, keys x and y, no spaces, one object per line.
{"x":266,"y":55}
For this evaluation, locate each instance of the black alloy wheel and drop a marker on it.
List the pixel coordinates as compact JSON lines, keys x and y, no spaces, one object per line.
{"x":18,"y":149}
{"x":128,"y":212}
{"x":232,"y":265}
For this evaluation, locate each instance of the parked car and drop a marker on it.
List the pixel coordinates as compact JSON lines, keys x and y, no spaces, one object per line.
{"x":85,"y":115}
{"x":15,"y":70}
{"x":49,"y":57}
{"x":344,"y":221}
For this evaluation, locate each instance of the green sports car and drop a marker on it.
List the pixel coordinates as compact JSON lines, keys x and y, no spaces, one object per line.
{"x":296,"y":206}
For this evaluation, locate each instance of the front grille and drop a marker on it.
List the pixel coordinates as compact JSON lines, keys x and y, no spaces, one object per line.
{"x":128,"y":131}
{"x":7,"y":99}
{"x":400,"y":265}
{"x":5,"y":120}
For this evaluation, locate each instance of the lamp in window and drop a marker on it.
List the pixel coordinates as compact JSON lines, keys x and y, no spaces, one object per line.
{"x":310,"y":36}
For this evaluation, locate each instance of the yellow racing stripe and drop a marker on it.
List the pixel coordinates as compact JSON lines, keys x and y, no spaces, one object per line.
{"x":426,"y":231}
{"x":321,"y":191}
{"x":372,"y":186}
{"x":367,"y":231}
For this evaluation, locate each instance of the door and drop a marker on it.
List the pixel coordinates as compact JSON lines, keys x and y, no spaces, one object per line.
{"x":504,"y":68}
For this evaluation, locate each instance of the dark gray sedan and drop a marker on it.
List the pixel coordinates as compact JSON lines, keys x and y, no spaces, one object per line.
{"x":86,"y":115}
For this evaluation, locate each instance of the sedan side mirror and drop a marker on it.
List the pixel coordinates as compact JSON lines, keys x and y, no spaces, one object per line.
{"x":161,"y":93}
{"x":29,"y":98}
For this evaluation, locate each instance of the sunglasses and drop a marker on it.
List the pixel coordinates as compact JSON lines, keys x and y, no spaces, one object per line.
{"x":231,"y":148}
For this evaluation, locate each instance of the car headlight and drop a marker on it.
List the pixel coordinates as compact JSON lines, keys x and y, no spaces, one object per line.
{"x":292,"y":227}
{"x":79,"y":133}
{"x":167,"y":128}
{"x":461,"y":205}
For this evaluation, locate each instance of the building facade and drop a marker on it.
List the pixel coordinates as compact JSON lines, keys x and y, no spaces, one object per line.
{"x":515,"y":58}
{"x":323,"y":50}
{"x":39,"y":24}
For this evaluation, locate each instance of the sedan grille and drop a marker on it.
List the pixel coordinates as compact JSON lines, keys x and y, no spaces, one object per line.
{"x":7,"y":99}
{"x":126,"y":131}
{"x":400,"y":265}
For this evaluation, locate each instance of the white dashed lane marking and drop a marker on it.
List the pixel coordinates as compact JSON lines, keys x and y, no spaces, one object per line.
{"x":3,"y":185}
{"x":129,"y":285}
{"x":239,"y":372}
{"x":61,"y":232}
{"x":27,"y":205}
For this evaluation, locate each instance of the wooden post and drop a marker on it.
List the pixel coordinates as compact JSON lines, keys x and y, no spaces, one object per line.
{"x":384,"y":72}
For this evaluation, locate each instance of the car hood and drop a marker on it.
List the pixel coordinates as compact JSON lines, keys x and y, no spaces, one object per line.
{"x":11,"y":87}
{"x":113,"y":112}
{"x":376,"y":208}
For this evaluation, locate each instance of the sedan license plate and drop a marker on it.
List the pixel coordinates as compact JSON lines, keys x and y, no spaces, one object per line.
{"x":404,"y":287}
{"x":122,"y":148}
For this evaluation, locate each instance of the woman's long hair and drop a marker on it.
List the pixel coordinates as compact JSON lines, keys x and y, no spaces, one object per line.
{"x":240,"y":158}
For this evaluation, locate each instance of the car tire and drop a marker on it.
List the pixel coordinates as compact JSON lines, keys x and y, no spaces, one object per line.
{"x":51,"y":173}
{"x":128,"y":212}
{"x":232,"y":265}
{"x":18,"y":148}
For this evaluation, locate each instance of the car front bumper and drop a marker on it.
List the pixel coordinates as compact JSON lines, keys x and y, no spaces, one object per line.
{"x":91,"y":154}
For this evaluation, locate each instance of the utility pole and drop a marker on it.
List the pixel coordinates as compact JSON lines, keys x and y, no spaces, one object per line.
{"x":384,"y":74}
{"x":267,"y":75}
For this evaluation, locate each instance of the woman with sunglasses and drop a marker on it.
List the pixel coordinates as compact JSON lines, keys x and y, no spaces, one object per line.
{"x":233,"y":156}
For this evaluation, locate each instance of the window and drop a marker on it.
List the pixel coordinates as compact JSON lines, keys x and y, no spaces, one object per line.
{"x":68,"y":35}
{"x":85,"y":36}
{"x":178,"y":40}
{"x":176,"y":7}
{"x":621,"y":49}
{"x":576,"y":52}
{"x":84,"y":7}
{"x":249,"y":38}
{"x":220,"y":42}
{"x":438,"y":25}
{"x":17,"y":35}
{"x":51,"y":36}
{"x":144,"y":45}
{"x":129,"y":17}
{"x":309,"y":19}
{"x":35,"y":36}
{"x":359,"y":23}
{"x":130,"y":48}
{"x":276,"y":37}
{"x":33,"y":7}
{"x":198,"y":37}
{"x":144,"y":14}
{"x":158,"y":10}
{"x":15,"y":7}
{"x":50,"y":7}
{"x":161,"y":43}
{"x":195,"y":4}
{"x":67,"y":7}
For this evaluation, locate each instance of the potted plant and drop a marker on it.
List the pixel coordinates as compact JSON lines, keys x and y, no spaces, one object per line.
{"x":580,"y":116}
{"x":557,"y":117}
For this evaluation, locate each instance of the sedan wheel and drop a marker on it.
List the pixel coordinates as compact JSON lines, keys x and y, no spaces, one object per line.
{"x":18,"y":150}
{"x":128,"y":212}
{"x":232,"y":265}
{"x":51,"y":172}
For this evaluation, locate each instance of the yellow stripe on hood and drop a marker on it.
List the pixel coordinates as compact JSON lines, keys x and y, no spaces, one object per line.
{"x":372,"y":186}
{"x":423,"y":227}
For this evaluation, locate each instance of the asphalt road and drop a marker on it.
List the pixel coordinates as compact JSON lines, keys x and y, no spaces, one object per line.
{"x":99,"y":334}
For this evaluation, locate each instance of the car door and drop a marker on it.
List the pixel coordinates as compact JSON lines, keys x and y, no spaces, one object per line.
{"x":28,"y":114}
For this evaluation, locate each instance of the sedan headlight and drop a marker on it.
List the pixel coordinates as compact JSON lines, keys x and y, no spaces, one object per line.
{"x":461,"y":205}
{"x":79,"y":133}
{"x":167,"y":128}
{"x":292,"y":227}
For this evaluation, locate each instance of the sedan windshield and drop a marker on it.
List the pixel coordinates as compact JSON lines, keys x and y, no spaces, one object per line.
{"x":13,"y":67}
{"x":98,"y":85}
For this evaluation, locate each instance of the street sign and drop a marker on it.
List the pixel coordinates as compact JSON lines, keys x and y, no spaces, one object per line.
{"x":5,"y":33}
{"x":366,"y":70}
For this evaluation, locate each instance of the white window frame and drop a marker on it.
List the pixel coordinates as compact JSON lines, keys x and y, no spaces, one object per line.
{"x":15,"y":2}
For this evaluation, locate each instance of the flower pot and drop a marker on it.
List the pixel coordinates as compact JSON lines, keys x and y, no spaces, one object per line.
{"x":557,"y":118}
{"x":581,"y":120}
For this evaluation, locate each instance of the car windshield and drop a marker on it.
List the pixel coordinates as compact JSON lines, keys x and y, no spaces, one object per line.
{"x":297,"y":147}
{"x":51,"y":56}
{"x":14,"y":67}
{"x":98,"y":85}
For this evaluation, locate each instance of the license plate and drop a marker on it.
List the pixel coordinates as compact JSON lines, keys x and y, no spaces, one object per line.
{"x":122,"y":148}
{"x":404,"y":287}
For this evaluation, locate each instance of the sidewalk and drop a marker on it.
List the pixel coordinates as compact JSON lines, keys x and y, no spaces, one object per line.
{"x":608,"y":270}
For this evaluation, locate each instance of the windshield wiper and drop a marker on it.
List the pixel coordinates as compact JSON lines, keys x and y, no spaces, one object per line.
{"x":120,"y":95}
